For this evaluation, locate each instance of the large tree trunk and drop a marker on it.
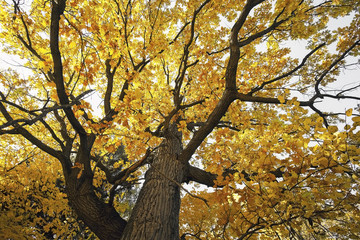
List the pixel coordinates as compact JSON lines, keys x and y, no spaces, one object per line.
{"x":156,"y":212}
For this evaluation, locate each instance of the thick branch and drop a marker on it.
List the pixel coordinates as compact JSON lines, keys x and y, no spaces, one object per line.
{"x":109,"y":87}
{"x":248,"y":98}
{"x":250,"y":4}
{"x":229,"y":94}
{"x":56,"y":11}
{"x":201,"y":176}
{"x":121,"y":176}
{"x":209,"y":179}
{"x":231,"y":70}
{"x":31,"y":138}
{"x":37,"y":117}
{"x":212,"y":121}
{"x":110,"y":82}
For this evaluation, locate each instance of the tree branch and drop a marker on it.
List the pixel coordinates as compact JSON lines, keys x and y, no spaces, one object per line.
{"x":38,"y":117}
{"x":257,"y":35}
{"x":229,"y":95}
{"x":181,"y":187}
{"x":231,"y":70}
{"x":28,"y":44}
{"x":258,"y":88}
{"x":185,"y":57}
{"x":121,"y":176}
{"x":333,"y":64}
{"x":209,"y":179}
{"x":31,"y":138}
{"x":248,"y":98}
{"x":56,"y":11}
{"x":110,"y":82}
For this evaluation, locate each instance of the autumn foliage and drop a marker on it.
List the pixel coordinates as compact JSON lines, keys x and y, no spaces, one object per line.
{"x":117,"y":110}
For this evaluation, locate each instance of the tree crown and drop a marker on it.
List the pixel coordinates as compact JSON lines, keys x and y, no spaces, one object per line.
{"x":110,"y":75}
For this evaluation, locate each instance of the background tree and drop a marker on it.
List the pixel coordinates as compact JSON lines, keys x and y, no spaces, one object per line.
{"x":201,"y":91}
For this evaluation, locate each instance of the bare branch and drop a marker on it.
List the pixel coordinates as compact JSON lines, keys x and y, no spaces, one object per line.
{"x":347,"y":90}
{"x":30,"y":156}
{"x":333,"y":64}
{"x":338,"y":96}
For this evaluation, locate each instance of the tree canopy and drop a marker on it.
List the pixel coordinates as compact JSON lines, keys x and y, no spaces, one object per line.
{"x":116,"y":105}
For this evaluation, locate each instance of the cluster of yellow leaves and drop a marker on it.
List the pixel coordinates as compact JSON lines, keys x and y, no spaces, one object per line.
{"x":33,"y":198}
{"x":317,"y":164}
{"x":292,"y":174}
{"x":33,"y":201}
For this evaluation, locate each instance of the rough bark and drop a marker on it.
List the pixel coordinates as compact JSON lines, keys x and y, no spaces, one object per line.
{"x":156,"y":212}
{"x":100,"y":217}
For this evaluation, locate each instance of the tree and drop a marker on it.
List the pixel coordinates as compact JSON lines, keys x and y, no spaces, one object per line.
{"x":193,"y":91}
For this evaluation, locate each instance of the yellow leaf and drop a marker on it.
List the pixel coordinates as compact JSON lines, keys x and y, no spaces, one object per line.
{"x":332,"y":129}
{"x":319,"y":120}
{"x":349,"y":112}
{"x":356,"y":119}
{"x":110,"y":148}
{"x":79,"y":174}
{"x":281,"y":99}
{"x":80,"y":166}
{"x":182,"y":124}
